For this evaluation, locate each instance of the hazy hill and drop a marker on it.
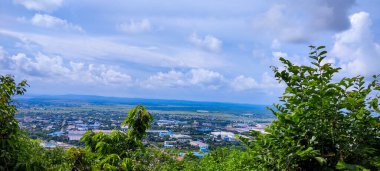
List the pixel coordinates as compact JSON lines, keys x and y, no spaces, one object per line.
{"x":152,"y":104}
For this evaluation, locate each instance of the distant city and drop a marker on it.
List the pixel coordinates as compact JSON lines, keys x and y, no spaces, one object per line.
{"x":61,"y":121}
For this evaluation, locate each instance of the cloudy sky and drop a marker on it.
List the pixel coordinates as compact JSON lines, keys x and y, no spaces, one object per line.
{"x":213,"y":50}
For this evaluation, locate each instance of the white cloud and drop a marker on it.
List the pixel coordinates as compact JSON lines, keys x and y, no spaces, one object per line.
{"x":205,"y":77}
{"x":48,"y":21}
{"x":41,"y":66}
{"x":53,"y":68}
{"x":169,"y":79}
{"x":40,"y":5}
{"x":208,"y":42}
{"x":135,"y":26}
{"x":215,"y":80}
{"x":356,"y":49}
{"x":107,"y":75}
{"x":242,"y":83}
{"x":208,"y":79}
{"x":110,"y":49}
{"x":194,"y":77}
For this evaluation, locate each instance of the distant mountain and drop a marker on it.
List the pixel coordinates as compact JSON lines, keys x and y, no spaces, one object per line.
{"x":153,"y":104}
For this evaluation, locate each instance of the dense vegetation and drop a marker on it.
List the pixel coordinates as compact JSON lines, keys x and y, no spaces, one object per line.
{"x":321,"y":124}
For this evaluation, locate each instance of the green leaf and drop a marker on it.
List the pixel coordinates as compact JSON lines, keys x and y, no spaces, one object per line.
{"x":321,"y":47}
{"x":314,"y":57}
{"x":322,"y":53}
{"x":321,"y":59}
{"x":350,"y":167}
{"x":320,"y":160}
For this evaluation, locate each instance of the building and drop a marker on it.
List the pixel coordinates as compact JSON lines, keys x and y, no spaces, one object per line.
{"x":155,"y":131}
{"x":199,"y":155}
{"x":203,"y":150}
{"x":58,"y":133}
{"x":223,"y":134}
{"x":165,"y":122}
{"x":165,"y":133}
{"x":228,"y":136}
{"x":181,"y":137}
{"x":240,"y":125}
{"x":204,"y":129}
{"x":169,"y":144}
{"x":199,"y":144}
{"x":50,"y":144}
{"x":77,"y":135}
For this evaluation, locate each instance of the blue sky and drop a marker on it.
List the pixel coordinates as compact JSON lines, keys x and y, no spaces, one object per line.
{"x":211,"y":50}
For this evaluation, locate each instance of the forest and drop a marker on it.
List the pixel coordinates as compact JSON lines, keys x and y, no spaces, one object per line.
{"x":322,"y":123}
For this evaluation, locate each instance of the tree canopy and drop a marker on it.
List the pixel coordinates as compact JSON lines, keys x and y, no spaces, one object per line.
{"x":322,"y":123}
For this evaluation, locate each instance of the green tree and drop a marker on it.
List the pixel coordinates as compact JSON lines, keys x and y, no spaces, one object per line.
{"x":138,"y":121}
{"x":9,"y":129}
{"x":321,"y":124}
{"x":17,"y":150}
{"x":119,"y":150}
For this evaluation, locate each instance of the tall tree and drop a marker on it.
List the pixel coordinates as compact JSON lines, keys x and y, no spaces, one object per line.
{"x":138,"y":121}
{"x":9,"y":129}
{"x":119,"y":150}
{"x":321,"y":123}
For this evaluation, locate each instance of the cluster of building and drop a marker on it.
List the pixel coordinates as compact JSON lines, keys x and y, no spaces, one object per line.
{"x":242,"y":128}
{"x":186,"y":132}
{"x":198,"y":136}
{"x":53,"y":144}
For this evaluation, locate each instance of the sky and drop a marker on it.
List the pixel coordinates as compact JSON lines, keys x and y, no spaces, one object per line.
{"x":214,"y":50}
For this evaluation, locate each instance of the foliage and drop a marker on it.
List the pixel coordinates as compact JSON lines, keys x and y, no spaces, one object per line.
{"x":138,"y":121}
{"x":9,"y":130}
{"x":223,"y":159}
{"x":116,"y":151}
{"x":119,"y":150}
{"x":321,"y":124}
{"x":79,"y":159}
{"x":17,"y":151}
